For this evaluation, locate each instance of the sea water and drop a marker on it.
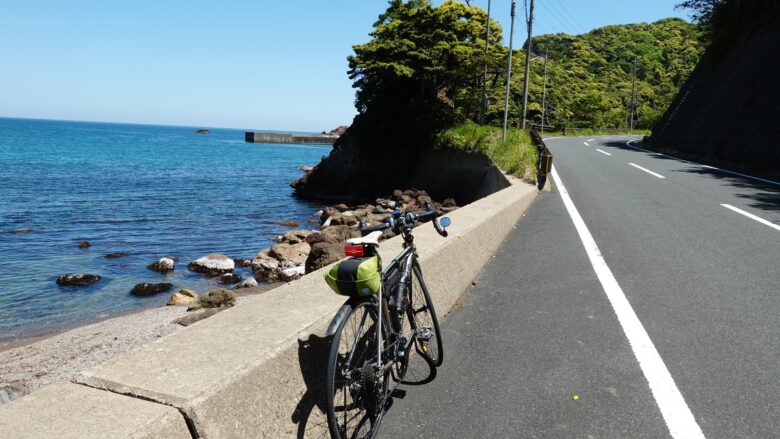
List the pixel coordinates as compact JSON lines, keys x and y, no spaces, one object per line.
{"x":149,"y":191}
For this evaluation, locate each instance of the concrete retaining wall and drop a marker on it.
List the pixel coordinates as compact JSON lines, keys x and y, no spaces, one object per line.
{"x":257,"y":370}
{"x":310,"y":139}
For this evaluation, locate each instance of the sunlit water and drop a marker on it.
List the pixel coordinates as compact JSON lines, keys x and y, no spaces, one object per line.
{"x":150,"y":191}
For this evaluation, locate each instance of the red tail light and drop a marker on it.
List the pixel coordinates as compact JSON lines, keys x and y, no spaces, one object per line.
{"x":353,"y":250}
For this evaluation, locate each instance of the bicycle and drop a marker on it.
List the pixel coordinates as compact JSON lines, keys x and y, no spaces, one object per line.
{"x":373,"y":336}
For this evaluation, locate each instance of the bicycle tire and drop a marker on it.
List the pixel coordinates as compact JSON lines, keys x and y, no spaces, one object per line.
{"x":359,"y":327}
{"x":424,"y":316}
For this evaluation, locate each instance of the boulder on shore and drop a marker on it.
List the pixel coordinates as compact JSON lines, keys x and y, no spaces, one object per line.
{"x":214,"y":299}
{"x":182,"y":297}
{"x":146,"y":289}
{"x":213,"y":265}
{"x":77,"y":280}
{"x":230,"y":278}
{"x":322,"y":254}
{"x":163,"y":265}
{"x":249,"y":282}
{"x":242,"y":262}
{"x":275,"y":263}
{"x":290,"y":223}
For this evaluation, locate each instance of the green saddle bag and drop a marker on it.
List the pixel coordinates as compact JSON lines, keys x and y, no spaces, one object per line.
{"x":355,"y":277}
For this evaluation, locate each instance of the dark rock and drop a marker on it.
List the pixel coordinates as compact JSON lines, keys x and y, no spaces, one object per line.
{"x":313,"y":221}
{"x":196,"y":317}
{"x":422,"y":200}
{"x":449,"y":202}
{"x":290,"y":223}
{"x":295,"y":236}
{"x":387,"y":234}
{"x":21,"y":232}
{"x":278,"y":239}
{"x":230,"y":278}
{"x":202,"y":131}
{"x":341,"y":207}
{"x":84,"y":244}
{"x":397,"y":194}
{"x":322,"y":254}
{"x":242,"y":262}
{"x":77,"y":280}
{"x":163,"y":265}
{"x":116,"y":255}
{"x":410,"y":193}
{"x":145,"y":289}
{"x":338,"y":131}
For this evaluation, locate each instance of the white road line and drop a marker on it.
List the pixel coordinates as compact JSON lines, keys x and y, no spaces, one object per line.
{"x":678,"y":417}
{"x":628,"y":144}
{"x":751,"y":216}
{"x":550,"y":138}
{"x":590,"y":140}
{"x":647,"y":170}
{"x":603,"y":152}
{"x":586,"y":143}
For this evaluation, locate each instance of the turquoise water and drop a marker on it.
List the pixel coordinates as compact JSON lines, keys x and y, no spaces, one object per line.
{"x":150,"y":191}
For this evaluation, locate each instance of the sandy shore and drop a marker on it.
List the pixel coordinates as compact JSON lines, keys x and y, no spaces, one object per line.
{"x":35,"y":363}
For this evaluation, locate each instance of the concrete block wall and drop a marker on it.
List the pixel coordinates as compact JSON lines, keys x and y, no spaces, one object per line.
{"x":255,"y":370}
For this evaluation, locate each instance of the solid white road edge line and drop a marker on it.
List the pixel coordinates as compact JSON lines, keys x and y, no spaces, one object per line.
{"x":751,"y":216}
{"x":586,"y":143}
{"x":647,"y":170}
{"x":603,"y":152}
{"x":628,"y":144}
{"x":677,"y":415}
{"x":590,"y":140}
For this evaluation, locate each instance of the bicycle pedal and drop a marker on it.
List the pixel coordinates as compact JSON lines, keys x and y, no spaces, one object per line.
{"x":398,"y":393}
{"x":424,"y":334}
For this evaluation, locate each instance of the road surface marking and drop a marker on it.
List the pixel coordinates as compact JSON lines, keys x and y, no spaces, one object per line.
{"x":590,"y":140}
{"x":586,"y":143}
{"x":550,"y":138}
{"x":603,"y":152}
{"x":751,"y":216}
{"x":628,"y":144}
{"x":647,"y":170}
{"x":677,"y":415}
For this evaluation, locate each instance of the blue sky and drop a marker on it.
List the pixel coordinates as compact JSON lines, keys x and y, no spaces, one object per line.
{"x":244,"y":64}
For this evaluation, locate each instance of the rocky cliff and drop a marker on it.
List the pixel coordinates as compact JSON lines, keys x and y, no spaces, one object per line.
{"x":352,"y":173}
{"x":727,"y":110}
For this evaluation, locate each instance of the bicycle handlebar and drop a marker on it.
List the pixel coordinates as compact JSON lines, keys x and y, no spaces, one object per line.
{"x":409,"y":219}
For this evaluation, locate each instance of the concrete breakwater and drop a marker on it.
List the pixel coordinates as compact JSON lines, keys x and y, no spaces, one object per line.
{"x":306,"y":139}
{"x":254,"y":370}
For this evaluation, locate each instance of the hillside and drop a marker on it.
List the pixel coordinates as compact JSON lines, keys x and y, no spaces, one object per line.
{"x":589,"y":76}
{"x":726,"y":112}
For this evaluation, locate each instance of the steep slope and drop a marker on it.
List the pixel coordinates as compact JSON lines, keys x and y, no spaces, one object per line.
{"x":727,"y":110}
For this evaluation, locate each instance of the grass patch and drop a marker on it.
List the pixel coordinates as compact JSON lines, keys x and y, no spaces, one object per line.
{"x":516,"y":156}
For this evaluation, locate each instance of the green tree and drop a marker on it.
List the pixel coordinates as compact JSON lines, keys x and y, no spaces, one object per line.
{"x":421,"y":71}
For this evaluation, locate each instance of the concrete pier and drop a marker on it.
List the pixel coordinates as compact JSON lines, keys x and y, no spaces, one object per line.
{"x":308,"y":139}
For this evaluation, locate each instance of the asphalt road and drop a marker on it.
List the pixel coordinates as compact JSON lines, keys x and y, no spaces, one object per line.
{"x":537,"y":349}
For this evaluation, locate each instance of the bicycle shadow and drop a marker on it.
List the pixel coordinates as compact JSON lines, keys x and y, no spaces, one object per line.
{"x":312,"y":354}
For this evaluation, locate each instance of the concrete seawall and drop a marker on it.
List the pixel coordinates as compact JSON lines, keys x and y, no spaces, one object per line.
{"x":255,"y":370}
{"x":308,"y":139}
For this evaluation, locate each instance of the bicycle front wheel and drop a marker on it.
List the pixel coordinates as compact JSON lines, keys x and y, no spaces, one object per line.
{"x":355,"y":397}
{"x":423,"y":316}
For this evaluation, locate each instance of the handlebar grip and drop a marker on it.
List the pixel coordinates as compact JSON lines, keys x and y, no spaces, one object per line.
{"x":366,"y":230}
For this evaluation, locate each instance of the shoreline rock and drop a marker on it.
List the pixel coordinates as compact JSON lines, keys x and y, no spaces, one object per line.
{"x":147,"y":289}
{"x":84,"y":244}
{"x":163,"y":265}
{"x":213,"y":265}
{"x":182,"y":297}
{"x":115,"y":255}
{"x":77,"y":279}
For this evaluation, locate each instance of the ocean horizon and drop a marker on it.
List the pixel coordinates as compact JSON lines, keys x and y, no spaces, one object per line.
{"x":146,"y":190}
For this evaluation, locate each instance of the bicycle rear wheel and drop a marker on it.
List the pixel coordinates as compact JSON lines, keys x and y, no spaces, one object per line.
{"x":355,"y":398}
{"x":423,"y":316}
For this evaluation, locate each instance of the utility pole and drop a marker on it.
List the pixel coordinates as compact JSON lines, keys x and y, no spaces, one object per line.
{"x":483,"y":107}
{"x":544,"y":87}
{"x":633,"y":94}
{"x":508,"y":71}
{"x":530,"y":22}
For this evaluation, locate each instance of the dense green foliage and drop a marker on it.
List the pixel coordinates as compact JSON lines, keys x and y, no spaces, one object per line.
{"x":516,"y":155}
{"x":421,"y":73}
{"x":589,"y":77}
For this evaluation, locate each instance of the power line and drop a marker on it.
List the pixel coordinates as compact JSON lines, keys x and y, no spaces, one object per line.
{"x":559,"y":18}
{"x":573,"y":17}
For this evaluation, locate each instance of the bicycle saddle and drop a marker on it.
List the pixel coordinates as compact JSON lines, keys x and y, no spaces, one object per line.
{"x":370,"y":239}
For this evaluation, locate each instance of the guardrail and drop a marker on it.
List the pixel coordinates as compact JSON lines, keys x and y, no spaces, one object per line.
{"x":544,"y":164}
